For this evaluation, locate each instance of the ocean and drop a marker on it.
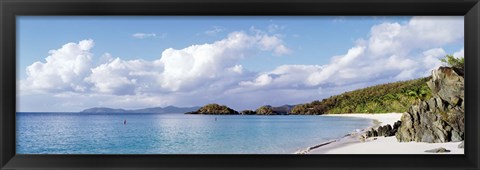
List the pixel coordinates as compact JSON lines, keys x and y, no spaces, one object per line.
{"x":175,"y":133}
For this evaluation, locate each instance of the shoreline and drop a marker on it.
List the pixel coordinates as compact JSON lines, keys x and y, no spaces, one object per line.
{"x":378,"y":119}
{"x":352,"y":143}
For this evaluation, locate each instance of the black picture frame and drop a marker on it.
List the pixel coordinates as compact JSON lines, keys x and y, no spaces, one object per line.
{"x":9,"y":9}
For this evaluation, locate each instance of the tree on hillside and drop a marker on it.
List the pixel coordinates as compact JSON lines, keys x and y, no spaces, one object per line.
{"x":452,"y":61}
{"x":419,"y":93}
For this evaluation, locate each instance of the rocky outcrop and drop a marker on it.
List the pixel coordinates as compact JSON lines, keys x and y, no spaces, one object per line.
{"x":385,"y":131}
{"x":214,"y":109}
{"x":442,"y":117}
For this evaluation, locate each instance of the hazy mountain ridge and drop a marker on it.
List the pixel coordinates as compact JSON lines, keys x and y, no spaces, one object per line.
{"x":168,"y":109}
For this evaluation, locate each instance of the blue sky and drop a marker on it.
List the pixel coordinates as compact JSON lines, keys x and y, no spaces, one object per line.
{"x":277,"y":49}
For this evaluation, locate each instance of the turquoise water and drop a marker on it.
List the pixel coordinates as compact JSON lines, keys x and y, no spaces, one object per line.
{"x":81,"y":133}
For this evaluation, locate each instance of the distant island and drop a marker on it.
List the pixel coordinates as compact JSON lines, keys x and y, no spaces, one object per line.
{"x":168,"y":109}
{"x":216,"y":109}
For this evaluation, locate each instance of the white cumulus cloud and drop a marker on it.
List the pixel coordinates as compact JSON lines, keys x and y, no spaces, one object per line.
{"x":125,"y":77}
{"x":197,"y":65}
{"x":391,"y":52}
{"x":285,"y":76}
{"x":432,"y":58}
{"x":63,"y":70}
{"x":418,"y":33}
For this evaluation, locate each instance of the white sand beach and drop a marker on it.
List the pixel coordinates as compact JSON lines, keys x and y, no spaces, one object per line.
{"x":382,"y":118}
{"x":380,"y":145}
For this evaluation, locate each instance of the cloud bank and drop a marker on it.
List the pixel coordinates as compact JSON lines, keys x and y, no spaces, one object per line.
{"x":211,"y":72}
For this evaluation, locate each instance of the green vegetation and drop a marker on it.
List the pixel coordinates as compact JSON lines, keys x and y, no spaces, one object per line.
{"x":265,"y":110}
{"x":248,"y":112}
{"x":451,"y":61}
{"x":419,"y":93}
{"x":215,"y":109}
{"x":390,"y":97}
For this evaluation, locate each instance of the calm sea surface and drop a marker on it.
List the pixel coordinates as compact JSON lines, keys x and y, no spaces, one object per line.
{"x":81,"y":133}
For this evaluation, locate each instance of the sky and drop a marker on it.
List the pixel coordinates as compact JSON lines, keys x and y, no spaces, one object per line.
{"x":68,"y":63}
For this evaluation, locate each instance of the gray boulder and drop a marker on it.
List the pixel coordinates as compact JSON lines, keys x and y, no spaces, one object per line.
{"x":441,"y":118}
{"x":461,"y":145}
{"x":448,"y":84}
{"x":385,"y":131}
{"x":437,"y":150}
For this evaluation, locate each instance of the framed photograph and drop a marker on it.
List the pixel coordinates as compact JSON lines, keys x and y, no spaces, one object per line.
{"x":239,"y":84}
